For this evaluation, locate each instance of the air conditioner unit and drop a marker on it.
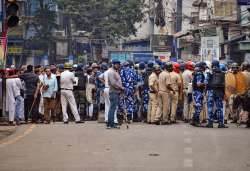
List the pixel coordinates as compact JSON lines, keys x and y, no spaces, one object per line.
{"x":59,"y":33}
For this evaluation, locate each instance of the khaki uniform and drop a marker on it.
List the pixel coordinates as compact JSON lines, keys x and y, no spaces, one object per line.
{"x":163,"y":110}
{"x":174,"y":96}
{"x":153,"y":97}
{"x":187,"y":79}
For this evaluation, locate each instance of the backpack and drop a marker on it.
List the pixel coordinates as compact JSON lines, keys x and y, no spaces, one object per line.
{"x":82,"y":80}
{"x":217,"y":80}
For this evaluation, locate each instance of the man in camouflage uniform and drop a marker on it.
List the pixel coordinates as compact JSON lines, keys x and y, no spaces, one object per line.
{"x":145,"y":88}
{"x":215,"y":84}
{"x":129,"y":82}
{"x":198,"y":90}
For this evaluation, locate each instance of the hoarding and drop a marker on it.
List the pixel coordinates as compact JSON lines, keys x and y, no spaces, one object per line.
{"x":162,"y":43}
{"x":15,"y":50}
{"x":136,"y":56}
{"x":225,"y":10}
{"x":210,"y":48}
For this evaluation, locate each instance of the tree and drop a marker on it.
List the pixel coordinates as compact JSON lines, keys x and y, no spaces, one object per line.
{"x":105,"y":19}
{"x":44,"y":23}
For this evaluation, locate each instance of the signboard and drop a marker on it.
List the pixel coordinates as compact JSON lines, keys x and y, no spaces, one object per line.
{"x":143,"y":56}
{"x":243,"y":2}
{"x":15,"y":50}
{"x":162,"y":43}
{"x":210,"y":48}
{"x":225,"y":10}
{"x":121,"y":56}
{"x":164,"y":57}
{"x":62,"y":48}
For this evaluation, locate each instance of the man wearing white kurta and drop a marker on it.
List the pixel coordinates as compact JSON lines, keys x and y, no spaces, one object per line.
{"x":10,"y":99}
{"x":67,"y":96}
{"x":104,"y":77}
{"x":14,"y":100}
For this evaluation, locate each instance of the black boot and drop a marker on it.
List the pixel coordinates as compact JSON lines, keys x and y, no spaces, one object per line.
{"x":248,"y":124}
{"x":222,"y":126}
{"x":195,"y":123}
{"x":210,"y":125}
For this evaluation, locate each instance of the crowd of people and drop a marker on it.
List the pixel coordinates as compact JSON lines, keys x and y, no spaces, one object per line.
{"x":155,"y":92}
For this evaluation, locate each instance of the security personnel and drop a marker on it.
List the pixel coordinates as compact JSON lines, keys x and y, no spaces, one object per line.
{"x":174,"y":95}
{"x":198,"y":90}
{"x":163,"y":110}
{"x":145,"y":87}
{"x":215,"y":85}
{"x":67,"y":97}
{"x":244,"y":113}
{"x":187,"y":76}
{"x":129,"y":82}
{"x":90,"y":91}
{"x":79,"y":90}
{"x":240,"y":90}
{"x":153,"y":83}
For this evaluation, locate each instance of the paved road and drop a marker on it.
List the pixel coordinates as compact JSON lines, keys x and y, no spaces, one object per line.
{"x":91,"y":147}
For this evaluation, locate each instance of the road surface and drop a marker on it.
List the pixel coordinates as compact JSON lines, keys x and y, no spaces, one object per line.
{"x":91,"y":147}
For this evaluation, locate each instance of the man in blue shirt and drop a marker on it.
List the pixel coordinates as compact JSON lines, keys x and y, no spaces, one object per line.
{"x":49,"y":90}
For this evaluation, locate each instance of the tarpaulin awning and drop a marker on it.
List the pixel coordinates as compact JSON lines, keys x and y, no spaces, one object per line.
{"x":236,"y":39}
{"x":181,"y":34}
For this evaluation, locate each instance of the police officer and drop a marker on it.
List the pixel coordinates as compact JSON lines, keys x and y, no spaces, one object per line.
{"x":153,"y":83}
{"x":67,"y":97}
{"x":187,"y":76}
{"x":145,"y":87}
{"x":215,"y":86}
{"x":129,"y":82}
{"x":175,"y":83}
{"x":245,"y":71}
{"x":163,"y":110}
{"x":198,"y":90}
{"x":79,"y":90}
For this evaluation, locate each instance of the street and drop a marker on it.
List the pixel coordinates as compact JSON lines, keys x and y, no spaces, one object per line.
{"x":90,"y":146}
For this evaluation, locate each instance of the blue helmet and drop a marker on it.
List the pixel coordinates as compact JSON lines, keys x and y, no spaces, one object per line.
{"x":60,"y":66}
{"x":203,"y":64}
{"x":215,"y":64}
{"x":150,"y":64}
{"x":158,"y":62}
{"x":115,"y":61}
{"x":142,"y":66}
{"x":223,"y":67}
{"x":104,"y":66}
{"x":182,"y":66}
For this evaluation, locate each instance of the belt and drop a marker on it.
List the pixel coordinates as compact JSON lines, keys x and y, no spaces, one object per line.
{"x":66,"y":89}
{"x":164,"y":91}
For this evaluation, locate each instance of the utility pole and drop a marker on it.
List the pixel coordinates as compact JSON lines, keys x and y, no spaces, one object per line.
{"x":178,"y":25}
{"x":179,"y":16}
{"x":151,"y":21}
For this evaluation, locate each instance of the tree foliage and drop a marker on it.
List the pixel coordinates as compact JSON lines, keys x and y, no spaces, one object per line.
{"x":107,"y":19}
{"x":44,"y":23}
